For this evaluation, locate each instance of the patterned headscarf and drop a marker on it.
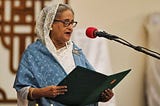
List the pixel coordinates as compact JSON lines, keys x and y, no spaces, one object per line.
{"x":45,"y":20}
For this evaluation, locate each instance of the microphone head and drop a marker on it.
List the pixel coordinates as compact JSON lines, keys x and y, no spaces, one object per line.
{"x":90,"y":32}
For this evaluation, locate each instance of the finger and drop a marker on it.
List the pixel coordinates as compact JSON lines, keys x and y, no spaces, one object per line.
{"x":109,"y":92}
{"x":59,"y":93}
{"x":106,"y":95}
{"x":62,"y":91}
{"x":61,"y":87}
{"x":54,"y":94}
{"x":103,"y":94}
{"x":58,"y":90}
{"x":104,"y":98}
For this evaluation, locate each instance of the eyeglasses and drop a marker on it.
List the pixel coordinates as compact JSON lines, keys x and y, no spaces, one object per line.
{"x":67,"y":23}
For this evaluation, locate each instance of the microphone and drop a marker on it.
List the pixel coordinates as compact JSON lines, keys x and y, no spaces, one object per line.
{"x":93,"y":32}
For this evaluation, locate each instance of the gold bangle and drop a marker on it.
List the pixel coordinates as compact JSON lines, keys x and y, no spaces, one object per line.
{"x":31,"y":93}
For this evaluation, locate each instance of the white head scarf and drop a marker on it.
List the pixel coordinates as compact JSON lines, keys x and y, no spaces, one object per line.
{"x":45,"y":20}
{"x":43,"y":26}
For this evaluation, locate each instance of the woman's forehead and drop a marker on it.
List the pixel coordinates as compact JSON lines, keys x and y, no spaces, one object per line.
{"x":66,"y":14}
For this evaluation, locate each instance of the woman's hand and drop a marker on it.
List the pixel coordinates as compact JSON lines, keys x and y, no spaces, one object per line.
{"x":49,"y":91}
{"x":53,"y":91}
{"x":106,"y":95}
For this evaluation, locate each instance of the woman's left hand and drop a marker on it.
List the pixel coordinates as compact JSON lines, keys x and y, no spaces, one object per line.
{"x":106,"y":95}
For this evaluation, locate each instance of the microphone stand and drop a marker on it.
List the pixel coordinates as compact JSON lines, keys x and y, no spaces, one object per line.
{"x":124,"y":42}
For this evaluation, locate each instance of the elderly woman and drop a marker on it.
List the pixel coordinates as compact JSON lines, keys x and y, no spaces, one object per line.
{"x":50,"y":58}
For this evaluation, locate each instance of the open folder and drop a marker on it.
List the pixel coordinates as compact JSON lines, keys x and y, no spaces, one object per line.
{"x":85,"y":86}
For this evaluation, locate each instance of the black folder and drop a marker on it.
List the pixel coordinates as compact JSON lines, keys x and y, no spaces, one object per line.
{"x":85,"y":86}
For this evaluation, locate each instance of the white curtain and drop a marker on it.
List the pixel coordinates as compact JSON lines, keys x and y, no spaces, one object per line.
{"x":96,"y":51}
{"x":153,"y":64}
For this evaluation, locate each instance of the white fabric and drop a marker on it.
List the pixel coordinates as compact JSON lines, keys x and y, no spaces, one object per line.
{"x":64,"y":55}
{"x":153,"y":65}
{"x":45,"y":19}
{"x":22,"y":96}
{"x":65,"y":58}
{"x":96,"y":51}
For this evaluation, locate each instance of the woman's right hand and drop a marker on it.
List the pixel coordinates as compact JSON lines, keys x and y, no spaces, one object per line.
{"x":53,"y":91}
{"x":49,"y":91}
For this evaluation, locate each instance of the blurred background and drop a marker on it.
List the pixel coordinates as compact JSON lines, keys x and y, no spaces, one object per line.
{"x":137,"y":21}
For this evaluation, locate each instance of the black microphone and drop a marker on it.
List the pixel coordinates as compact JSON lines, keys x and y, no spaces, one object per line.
{"x":93,"y":32}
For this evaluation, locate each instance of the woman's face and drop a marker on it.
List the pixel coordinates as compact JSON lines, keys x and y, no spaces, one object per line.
{"x":61,"y":33}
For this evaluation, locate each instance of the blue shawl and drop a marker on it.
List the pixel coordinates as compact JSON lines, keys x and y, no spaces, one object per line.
{"x":39,"y":68}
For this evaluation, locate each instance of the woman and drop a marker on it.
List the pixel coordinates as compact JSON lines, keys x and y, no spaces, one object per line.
{"x":49,"y":59}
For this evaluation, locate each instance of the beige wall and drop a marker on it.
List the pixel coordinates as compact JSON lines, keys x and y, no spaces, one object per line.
{"x":124,"y":18}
